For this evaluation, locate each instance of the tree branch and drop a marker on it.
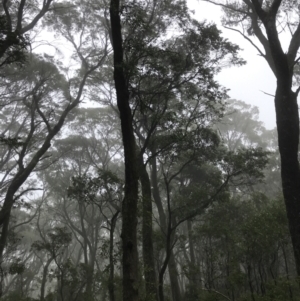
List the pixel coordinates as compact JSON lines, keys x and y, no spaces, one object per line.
{"x":248,"y":39}
{"x":294,"y":47}
{"x":35,"y":20}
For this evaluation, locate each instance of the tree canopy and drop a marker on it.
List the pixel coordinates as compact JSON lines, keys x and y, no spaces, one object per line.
{"x":126,"y":171}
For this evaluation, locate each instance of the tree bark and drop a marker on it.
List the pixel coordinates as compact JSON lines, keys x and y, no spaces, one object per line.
{"x":129,"y":205}
{"x":44,"y":279}
{"x":287,"y":120}
{"x":24,"y":172}
{"x":173,"y":274}
{"x":287,"y":116}
{"x":148,"y":257}
{"x":111,"y":284}
{"x":169,"y":259}
{"x":282,"y":64}
{"x":194,"y":271}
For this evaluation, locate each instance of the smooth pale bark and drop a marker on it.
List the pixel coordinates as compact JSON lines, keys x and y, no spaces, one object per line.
{"x":129,"y":205}
{"x":194,"y":271}
{"x":173,"y":274}
{"x":44,"y":279}
{"x":169,"y":259}
{"x":147,"y":239}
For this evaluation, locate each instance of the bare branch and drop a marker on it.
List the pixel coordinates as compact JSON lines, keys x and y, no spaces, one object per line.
{"x":248,"y":39}
{"x":217,"y":292}
{"x":43,"y":117}
{"x":294,"y":47}
{"x":20,"y":15}
{"x":42,"y":12}
{"x":274,"y":7}
{"x":226,"y":6}
{"x":267,"y":93}
{"x":7,"y":15}
{"x":258,"y":8}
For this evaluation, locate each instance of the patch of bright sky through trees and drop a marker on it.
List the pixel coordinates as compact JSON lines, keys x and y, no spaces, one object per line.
{"x":253,"y":83}
{"x":250,"y":83}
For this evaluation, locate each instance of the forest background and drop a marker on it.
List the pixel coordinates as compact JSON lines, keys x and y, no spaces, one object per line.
{"x":126,"y":172}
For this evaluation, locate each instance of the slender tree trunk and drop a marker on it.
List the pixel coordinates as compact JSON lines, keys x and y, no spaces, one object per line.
{"x":194,"y":272}
{"x":173,"y":274}
{"x":111,"y":284}
{"x":44,"y":279}
{"x":129,"y":206}
{"x":3,"y":239}
{"x":250,"y":282}
{"x":287,"y":272}
{"x":148,"y":257}
{"x":169,"y":260}
{"x":89,"y":282}
{"x":89,"y":256}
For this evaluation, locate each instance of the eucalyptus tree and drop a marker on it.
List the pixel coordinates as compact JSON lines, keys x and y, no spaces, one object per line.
{"x":84,"y":195}
{"x":17,"y":19}
{"x":43,"y":118}
{"x":242,"y":251}
{"x":240,"y":126}
{"x":15,"y":38}
{"x":264,"y":20}
{"x":195,"y":180}
{"x":36,"y":104}
{"x":156,"y":71}
{"x":54,"y":241}
{"x":129,"y":205}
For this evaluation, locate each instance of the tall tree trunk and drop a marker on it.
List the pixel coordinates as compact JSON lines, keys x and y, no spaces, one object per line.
{"x":194,"y":271}
{"x":148,"y":257}
{"x":169,"y":260}
{"x":129,"y":206}
{"x":89,"y":282}
{"x":44,"y":279}
{"x":111,"y":282}
{"x":173,"y":274}
{"x":287,"y":117}
{"x":282,"y":63}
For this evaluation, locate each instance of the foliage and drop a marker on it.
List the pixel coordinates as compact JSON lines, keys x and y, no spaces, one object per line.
{"x":57,"y":239}
{"x":219,"y":223}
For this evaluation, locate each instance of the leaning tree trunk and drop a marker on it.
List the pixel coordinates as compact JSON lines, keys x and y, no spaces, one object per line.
{"x":129,"y":206}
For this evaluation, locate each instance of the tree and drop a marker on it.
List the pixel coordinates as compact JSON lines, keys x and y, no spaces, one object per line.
{"x":129,"y":205}
{"x":39,"y":119}
{"x":54,"y":243}
{"x":39,"y":100}
{"x":261,"y":19}
{"x":14,"y":30}
{"x":162,"y":76}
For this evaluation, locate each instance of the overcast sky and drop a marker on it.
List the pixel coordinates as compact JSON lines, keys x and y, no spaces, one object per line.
{"x":247,"y":83}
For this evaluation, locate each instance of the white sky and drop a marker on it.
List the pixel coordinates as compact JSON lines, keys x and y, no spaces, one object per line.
{"x":246,"y":83}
